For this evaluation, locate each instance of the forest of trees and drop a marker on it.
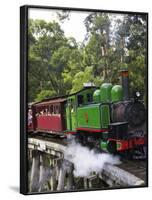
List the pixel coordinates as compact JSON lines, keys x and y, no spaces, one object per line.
{"x":58,"y":65}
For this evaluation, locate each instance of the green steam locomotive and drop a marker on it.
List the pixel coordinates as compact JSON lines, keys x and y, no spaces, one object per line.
{"x":104,"y":117}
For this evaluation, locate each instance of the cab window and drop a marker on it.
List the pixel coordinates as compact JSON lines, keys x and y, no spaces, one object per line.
{"x":80,"y":100}
{"x":89,"y":97}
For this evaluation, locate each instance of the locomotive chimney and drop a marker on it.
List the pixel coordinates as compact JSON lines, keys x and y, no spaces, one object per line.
{"x":125,"y":83}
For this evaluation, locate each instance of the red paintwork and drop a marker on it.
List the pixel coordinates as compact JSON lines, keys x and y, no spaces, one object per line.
{"x":139,"y":141}
{"x":49,"y":123}
{"x":71,"y":132}
{"x":129,"y":144}
{"x":30,"y":127}
{"x":125,"y":144}
{"x":92,"y":130}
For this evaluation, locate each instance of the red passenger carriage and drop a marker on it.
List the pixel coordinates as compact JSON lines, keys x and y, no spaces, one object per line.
{"x":49,"y":116}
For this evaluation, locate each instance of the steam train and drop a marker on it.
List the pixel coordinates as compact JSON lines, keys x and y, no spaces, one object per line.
{"x":104,"y":117}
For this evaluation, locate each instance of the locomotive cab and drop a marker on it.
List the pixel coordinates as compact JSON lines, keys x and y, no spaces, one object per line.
{"x":74,"y":102}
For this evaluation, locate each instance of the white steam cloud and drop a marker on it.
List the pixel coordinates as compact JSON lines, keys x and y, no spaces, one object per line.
{"x":86,"y":161}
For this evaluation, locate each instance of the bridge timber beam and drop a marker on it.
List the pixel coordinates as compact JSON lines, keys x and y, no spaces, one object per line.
{"x":114,"y":176}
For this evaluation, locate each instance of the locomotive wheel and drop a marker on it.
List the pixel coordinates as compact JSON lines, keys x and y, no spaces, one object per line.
{"x":80,"y":138}
{"x":90,"y":141}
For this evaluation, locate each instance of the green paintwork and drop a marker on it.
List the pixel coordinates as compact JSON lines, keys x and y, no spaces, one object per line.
{"x":71,"y":113}
{"x":93,"y":116}
{"x":108,"y":146}
{"x":89,"y":116}
{"x":68,"y":117}
{"x":104,"y":145}
{"x":96,"y":96}
{"x":116,"y":93}
{"x":72,"y":105}
{"x":86,"y":92}
{"x":118,"y":145}
{"x":105,"y":92}
{"x":105,"y":116}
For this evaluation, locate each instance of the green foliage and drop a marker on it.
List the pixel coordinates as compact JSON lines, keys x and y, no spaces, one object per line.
{"x":98,"y":47}
{"x":45,"y":94}
{"x":82,"y":77}
{"x":58,"y":65}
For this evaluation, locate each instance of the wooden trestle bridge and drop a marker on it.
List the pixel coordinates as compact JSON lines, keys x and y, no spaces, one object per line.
{"x":50,"y":172}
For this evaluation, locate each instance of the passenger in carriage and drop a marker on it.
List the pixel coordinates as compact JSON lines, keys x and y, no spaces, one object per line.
{"x":30,"y":117}
{"x":49,"y":113}
{"x":41,"y":112}
{"x":37,"y":113}
{"x":45,"y":112}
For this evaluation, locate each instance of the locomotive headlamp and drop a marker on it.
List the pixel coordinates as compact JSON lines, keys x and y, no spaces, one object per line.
{"x":138,"y":94}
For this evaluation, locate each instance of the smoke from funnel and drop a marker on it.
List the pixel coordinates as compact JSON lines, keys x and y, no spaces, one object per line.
{"x":86,"y":161}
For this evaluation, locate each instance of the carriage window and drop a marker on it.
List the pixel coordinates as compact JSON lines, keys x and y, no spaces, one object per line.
{"x":59,"y":109}
{"x":80,"y":100}
{"x":56,"y":109}
{"x":45,"y":112}
{"x":41,"y":111}
{"x":89,"y":97}
{"x":51,"y":109}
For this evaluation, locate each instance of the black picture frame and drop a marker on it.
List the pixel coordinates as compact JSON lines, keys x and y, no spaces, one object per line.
{"x":24,"y":90}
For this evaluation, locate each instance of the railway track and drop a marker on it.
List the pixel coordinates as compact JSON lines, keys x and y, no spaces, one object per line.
{"x":130,"y":173}
{"x":136,"y":167}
